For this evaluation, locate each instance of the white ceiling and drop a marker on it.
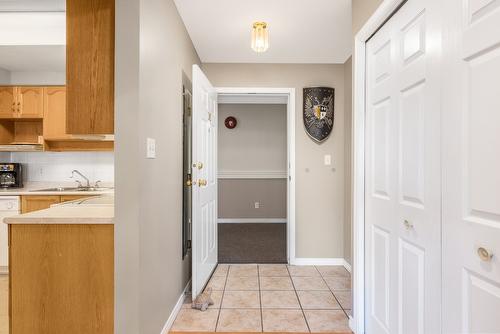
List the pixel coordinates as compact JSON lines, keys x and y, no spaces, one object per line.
{"x":33,"y":58}
{"x":33,"y":5}
{"x":300,"y":31}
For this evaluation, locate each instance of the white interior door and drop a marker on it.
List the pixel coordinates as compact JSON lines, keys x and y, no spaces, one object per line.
{"x":204,"y":226}
{"x":403,"y":182}
{"x":471,"y":168}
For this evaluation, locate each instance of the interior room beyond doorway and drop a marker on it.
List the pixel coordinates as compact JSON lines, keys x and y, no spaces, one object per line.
{"x":252,"y":191}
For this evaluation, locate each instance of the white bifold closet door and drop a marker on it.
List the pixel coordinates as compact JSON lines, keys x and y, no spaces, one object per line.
{"x":471,"y":168}
{"x":403,"y":173}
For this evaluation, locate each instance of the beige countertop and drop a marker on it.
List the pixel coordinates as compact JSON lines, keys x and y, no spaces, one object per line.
{"x":30,"y":188}
{"x":93,"y":210}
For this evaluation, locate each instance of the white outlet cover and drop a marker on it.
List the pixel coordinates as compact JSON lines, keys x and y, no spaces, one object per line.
{"x":328,"y":159}
{"x":257,"y":205}
{"x":150,"y":148}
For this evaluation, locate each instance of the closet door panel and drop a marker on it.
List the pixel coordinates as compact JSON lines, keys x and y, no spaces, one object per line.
{"x":471,"y":171}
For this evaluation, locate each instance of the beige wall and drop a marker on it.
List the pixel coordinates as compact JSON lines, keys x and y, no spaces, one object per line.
{"x":258,"y":143}
{"x":153,"y":50}
{"x":319,"y":188}
{"x":361,"y":12}
{"x":237,"y":198}
{"x":347,"y":160}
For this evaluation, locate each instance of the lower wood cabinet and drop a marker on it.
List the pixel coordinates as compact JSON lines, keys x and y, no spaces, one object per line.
{"x":61,"y":278}
{"x":31,"y":203}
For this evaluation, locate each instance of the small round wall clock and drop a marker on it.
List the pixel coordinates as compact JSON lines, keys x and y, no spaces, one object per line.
{"x":230,"y":122}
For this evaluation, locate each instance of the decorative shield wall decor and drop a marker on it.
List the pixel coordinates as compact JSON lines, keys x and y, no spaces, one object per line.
{"x":318,"y":112}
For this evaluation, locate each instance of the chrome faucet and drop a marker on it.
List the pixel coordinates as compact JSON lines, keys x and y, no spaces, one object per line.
{"x":81,"y":175}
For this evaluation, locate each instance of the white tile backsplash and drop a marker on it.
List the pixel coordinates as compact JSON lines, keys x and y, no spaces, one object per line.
{"x":57,"y":166}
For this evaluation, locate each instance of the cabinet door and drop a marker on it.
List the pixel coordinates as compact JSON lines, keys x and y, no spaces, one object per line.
{"x":7,"y":102}
{"x":54,"y":120}
{"x":35,"y":202}
{"x":30,"y":100}
{"x":90,"y":56}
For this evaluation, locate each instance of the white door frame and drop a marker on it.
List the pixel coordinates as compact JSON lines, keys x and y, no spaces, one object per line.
{"x":289,"y":93}
{"x":381,"y":15}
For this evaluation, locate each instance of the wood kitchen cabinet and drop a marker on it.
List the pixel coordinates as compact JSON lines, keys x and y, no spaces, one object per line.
{"x":7,"y":102}
{"x":21,"y":102}
{"x":90,"y":54}
{"x":31,"y":203}
{"x":61,"y":278}
{"x":54,"y":121}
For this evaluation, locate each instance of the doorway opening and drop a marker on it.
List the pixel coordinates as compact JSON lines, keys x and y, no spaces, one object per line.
{"x":252,"y":179}
{"x":255,"y":216}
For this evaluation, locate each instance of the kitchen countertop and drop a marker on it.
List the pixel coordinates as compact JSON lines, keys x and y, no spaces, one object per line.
{"x":30,"y":187}
{"x":94,"y":210}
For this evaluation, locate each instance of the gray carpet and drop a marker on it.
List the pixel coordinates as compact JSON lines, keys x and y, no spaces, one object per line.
{"x":252,"y":243}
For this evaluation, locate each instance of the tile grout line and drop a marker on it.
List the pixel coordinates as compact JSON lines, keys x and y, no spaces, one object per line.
{"x":222,"y":298}
{"x":260,"y":300}
{"x":298,"y":299}
{"x":333,"y":294}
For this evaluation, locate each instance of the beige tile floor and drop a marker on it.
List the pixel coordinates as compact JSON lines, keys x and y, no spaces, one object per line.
{"x":4,"y":304}
{"x":273,"y":298}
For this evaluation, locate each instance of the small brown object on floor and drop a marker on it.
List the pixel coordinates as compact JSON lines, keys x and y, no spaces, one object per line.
{"x":203,"y":301}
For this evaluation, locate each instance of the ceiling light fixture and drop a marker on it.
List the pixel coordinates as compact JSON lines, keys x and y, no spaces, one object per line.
{"x":260,"y":37}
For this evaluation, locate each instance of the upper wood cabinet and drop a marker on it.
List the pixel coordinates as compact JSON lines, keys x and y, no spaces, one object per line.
{"x":7,"y":102}
{"x":21,"y":102}
{"x":90,"y":44}
{"x":30,"y":102}
{"x":54,"y":121}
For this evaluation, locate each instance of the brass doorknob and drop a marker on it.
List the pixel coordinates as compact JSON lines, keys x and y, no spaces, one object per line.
{"x":202,"y":182}
{"x":408,"y":225}
{"x":483,"y":254}
{"x":199,"y":165}
{"x":189,"y":183}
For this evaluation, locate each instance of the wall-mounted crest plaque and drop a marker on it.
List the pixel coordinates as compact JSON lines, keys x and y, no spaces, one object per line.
{"x":318,"y":112}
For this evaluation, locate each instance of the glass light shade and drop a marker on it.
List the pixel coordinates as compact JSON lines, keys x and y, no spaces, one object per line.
{"x":260,"y":37}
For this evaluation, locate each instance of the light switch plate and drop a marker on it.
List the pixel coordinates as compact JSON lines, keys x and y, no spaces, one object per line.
{"x":150,"y":148}
{"x":328,"y":159}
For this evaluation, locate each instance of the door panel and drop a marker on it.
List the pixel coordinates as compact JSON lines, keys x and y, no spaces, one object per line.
{"x":471,"y":177}
{"x":204,"y":243}
{"x":403,"y":192}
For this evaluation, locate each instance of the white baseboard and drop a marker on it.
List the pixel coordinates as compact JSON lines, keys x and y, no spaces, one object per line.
{"x":250,"y":220}
{"x":176,"y":310}
{"x":309,"y":261}
{"x":352,"y":324}
{"x":347,"y":266}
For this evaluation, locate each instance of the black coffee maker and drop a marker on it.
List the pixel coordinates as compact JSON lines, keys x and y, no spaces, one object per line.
{"x":11,"y":175}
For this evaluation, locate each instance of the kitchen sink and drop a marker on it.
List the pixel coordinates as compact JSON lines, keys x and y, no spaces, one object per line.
{"x":63,"y":189}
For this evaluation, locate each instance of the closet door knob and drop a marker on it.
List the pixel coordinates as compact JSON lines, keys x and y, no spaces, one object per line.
{"x":408,"y":225}
{"x":483,"y":254}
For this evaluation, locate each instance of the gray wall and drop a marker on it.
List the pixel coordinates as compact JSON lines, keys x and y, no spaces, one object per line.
{"x":237,"y":198}
{"x":319,"y":188}
{"x":153,"y":50}
{"x":258,"y":143}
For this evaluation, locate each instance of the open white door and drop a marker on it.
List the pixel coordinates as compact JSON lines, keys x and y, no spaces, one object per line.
{"x":204,"y":236}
